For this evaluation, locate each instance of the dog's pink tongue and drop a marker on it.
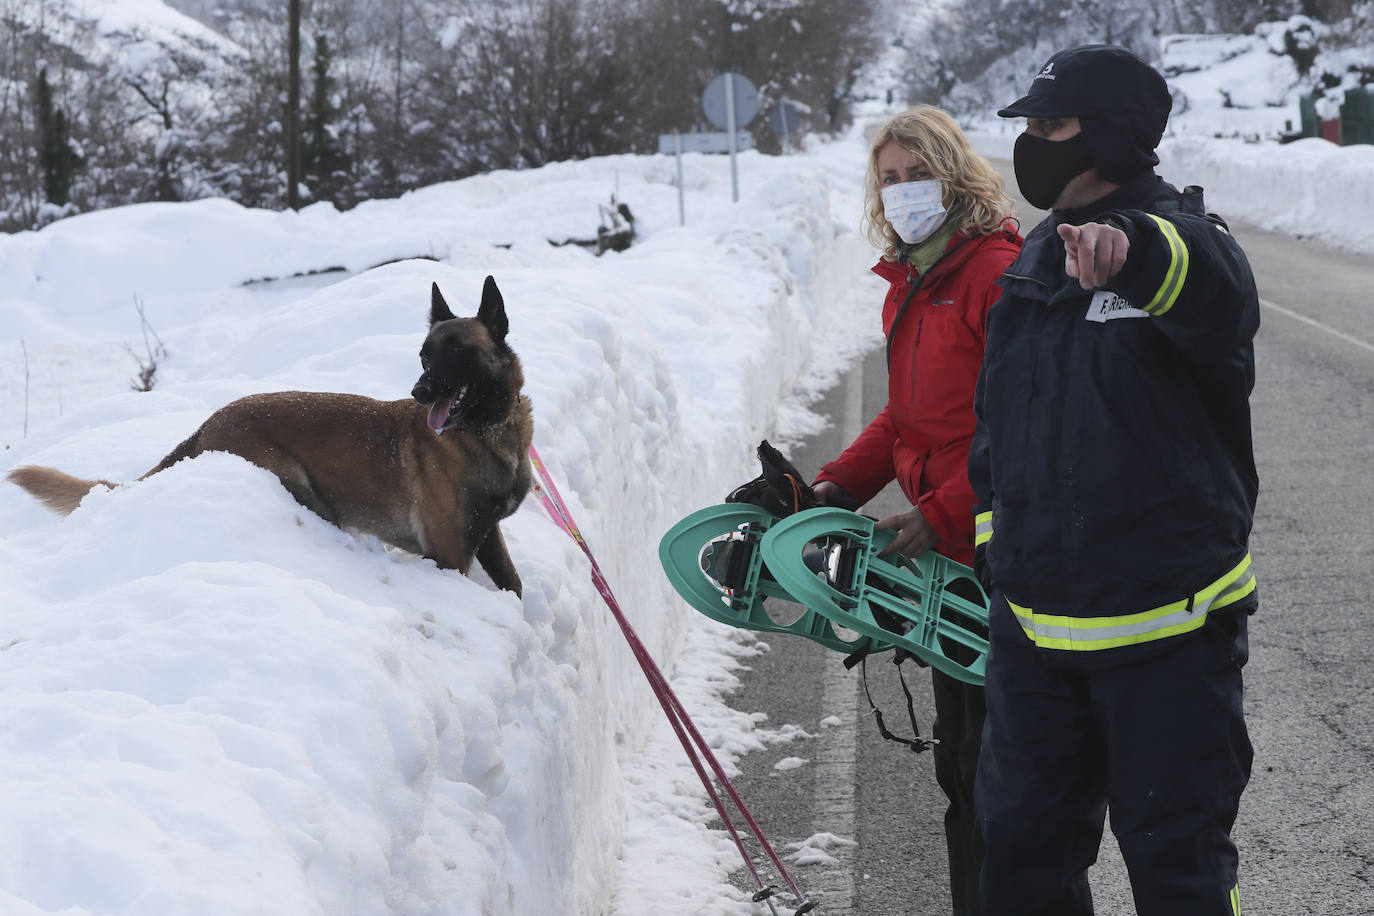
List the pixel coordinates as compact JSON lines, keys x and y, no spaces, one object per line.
{"x":438,"y":414}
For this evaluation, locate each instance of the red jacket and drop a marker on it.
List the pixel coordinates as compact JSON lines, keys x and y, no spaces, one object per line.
{"x":922,"y":436}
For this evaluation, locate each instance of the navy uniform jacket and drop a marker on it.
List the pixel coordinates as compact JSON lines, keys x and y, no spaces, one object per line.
{"x":1112,"y":460}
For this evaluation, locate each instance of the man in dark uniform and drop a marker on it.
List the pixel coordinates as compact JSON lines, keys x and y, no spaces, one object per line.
{"x":1116,"y":484}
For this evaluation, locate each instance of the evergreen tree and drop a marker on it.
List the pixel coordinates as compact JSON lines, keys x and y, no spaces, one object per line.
{"x":57,"y":158}
{"x":323,"y":161}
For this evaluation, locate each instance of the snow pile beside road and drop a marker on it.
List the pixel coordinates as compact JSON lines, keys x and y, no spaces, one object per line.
{"x":1308,"y":188}
{"x":220,"y":704}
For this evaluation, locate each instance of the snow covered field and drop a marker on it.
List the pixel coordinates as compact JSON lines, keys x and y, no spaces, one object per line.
{"x":213,"y":702}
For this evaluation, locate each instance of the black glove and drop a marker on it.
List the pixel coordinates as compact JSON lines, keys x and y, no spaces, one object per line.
{"x":980,"y":567}
{"x":779,"y":489}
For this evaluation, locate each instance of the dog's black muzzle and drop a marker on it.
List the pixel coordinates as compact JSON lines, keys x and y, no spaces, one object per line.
{"x":423,"y":391}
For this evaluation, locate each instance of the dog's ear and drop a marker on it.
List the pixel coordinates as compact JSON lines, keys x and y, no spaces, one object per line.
{"x":438,"y":308}
{"x":492,"y":311}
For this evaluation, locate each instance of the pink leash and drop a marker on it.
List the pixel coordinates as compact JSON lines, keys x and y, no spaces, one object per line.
{"x":677,"y":716}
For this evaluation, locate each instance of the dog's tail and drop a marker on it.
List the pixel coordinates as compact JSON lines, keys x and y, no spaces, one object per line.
{"x":58,"y":491}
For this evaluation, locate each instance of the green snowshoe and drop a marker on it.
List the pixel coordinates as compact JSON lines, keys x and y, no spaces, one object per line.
{"x":712,"y":558}
{"x":726,"y":560}
{"x":929,"y":606}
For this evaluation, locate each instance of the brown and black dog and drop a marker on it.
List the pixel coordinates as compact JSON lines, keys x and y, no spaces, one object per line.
{"x":433,"y":474}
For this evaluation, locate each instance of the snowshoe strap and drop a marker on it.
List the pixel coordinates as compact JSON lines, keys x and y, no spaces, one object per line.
{"x":917,"y":743}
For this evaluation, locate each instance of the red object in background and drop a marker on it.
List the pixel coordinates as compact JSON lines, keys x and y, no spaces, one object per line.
{"x":1331,"y":130}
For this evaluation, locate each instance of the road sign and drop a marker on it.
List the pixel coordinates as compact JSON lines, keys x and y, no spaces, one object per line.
{"x":785,"y":118}
{"x":730,"y":101}
{"x":705,"y":142}
{"x":715,"y":101}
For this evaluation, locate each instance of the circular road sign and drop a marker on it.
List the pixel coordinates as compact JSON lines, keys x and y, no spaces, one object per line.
{"x":785,"y":118}
{"x":746,"y":101}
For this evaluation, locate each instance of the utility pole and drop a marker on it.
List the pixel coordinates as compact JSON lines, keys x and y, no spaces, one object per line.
{"x":293,"y":106}
{"x":400,"y":51}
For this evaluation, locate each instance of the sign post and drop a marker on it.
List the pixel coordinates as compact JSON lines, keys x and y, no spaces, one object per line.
{"x":730,"y":129}
{"x":681,"y":191}
{"x":678,"y":143}
{"x":785,"y":119}
{"x":730,"y":101}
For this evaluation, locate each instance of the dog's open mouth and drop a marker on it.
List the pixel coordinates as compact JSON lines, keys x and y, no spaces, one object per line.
{"x":440,"y":412}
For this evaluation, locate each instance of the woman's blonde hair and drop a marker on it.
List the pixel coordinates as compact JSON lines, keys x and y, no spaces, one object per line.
{"x":975,"y":194}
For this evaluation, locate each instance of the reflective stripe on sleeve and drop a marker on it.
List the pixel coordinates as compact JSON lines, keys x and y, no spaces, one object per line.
{"x":1052,"y":631}
{"x":1178,"y":269}
{"x":982,"y":528}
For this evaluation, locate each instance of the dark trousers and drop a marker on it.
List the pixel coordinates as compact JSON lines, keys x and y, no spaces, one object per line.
{"x":1161,"y":739}
{"x":959,"y":712}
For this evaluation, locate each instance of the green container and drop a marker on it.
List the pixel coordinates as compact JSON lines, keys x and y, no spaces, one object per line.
{"x":1357,"y":116}
{"x":1307,"y":109}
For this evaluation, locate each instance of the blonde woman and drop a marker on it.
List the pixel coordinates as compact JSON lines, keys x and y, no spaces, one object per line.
{"x":939,"y":214}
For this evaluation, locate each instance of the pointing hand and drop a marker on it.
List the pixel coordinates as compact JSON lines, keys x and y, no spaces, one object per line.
{"x":1093,"y":252}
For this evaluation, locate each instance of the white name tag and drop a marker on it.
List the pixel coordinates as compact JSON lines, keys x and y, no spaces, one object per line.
{"x":1106,"y":306}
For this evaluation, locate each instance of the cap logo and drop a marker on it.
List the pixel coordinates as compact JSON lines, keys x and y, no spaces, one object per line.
{"x":1046,"y":74}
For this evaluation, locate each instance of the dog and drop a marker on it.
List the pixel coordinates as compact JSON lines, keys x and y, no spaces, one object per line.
{"x":433,"y":474}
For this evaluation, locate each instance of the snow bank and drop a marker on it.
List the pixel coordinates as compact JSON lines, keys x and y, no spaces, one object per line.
{"x":1308,"y":188}
{"x":216,"y":703}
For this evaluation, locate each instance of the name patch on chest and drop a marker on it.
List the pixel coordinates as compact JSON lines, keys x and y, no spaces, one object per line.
{"x":1106,"y":306}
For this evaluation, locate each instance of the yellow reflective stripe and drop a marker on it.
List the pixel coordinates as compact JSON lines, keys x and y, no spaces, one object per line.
{"x":982,"y":528}
{"x":1237,"y":592}
{"x":1235,"y":900}
{"x":1057,"y":631}
{"x":1178,"y":269}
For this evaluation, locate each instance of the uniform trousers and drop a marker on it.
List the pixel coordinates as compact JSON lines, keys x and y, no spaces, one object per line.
{"x":959,"y":712}
{"x":1159,"y":739}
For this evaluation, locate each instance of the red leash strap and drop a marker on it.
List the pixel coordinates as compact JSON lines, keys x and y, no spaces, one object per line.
{"x":677,"y":715}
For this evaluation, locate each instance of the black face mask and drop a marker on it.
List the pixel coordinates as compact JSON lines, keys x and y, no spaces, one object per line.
{"x":1044,"y":167}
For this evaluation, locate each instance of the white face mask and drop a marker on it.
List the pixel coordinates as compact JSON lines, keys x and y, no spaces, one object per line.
{"x":915,"y":209}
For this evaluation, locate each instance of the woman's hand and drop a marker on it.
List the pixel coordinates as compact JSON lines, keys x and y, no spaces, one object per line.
{"x":914,"y":534}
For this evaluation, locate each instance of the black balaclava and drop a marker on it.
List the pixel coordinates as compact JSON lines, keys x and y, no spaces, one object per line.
{"x":1045,"y":167}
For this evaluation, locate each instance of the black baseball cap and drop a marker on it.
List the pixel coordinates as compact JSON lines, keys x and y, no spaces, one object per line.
{"x":1122,"y":103}
{"x":1088,"y":80}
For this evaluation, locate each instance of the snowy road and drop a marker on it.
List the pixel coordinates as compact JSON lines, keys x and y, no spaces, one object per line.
{"x":1307,"y":821}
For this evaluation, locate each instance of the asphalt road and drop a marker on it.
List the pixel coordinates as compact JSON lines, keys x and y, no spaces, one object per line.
{"x":1306,"y":827}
